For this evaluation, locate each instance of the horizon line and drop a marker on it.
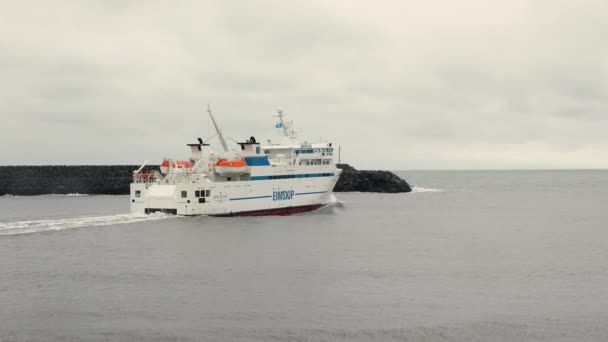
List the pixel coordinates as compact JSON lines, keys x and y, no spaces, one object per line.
{"x":387,"y":169}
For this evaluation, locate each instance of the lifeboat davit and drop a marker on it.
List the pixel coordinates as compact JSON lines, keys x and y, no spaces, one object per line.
{"x":231,"y":167}
{"x":177,"y":164}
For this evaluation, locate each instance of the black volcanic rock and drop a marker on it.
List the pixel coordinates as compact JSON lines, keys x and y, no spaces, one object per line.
{"x":64,"y":179}
{"x":115,"y":179}
{"x":352,"y":179}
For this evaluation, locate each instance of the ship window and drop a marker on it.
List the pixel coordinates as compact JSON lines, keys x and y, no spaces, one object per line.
{"x":229,"y":179}
{"x":137,"y":193}
{"x":197,"y":193}
{"x":184,"y":194}
{"x":207,"y":193}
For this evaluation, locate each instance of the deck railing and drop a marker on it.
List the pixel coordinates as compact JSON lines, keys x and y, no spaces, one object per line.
{"x":144,"y":178}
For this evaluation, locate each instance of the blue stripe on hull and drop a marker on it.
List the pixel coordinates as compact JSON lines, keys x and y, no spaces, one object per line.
{"x":257,"y":161}
{"x":310,"y":193}
{"x":248,"y":198}
{"x":301,"y":175}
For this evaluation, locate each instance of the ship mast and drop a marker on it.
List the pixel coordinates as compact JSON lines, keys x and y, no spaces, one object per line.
{"x":287,"y":127}
{"x":282,"y":124}
{"x":217,"y":129}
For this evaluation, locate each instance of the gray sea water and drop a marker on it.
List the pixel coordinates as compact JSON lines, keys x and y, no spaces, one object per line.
{"x":468,"y":256}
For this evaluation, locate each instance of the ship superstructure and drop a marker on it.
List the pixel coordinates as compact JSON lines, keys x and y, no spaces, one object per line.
{"x":289,"y":177}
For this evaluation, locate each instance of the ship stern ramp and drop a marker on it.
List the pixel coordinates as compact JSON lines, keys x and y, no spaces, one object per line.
{"x":157,"y":198}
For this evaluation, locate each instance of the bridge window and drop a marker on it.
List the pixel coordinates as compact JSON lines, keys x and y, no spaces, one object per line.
{"x":202,"y":193}
{"x":184,"y":194}
{"x":137,"y":193}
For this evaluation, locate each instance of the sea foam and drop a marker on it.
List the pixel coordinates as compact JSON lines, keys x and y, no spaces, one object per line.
{"x":417,"y":189}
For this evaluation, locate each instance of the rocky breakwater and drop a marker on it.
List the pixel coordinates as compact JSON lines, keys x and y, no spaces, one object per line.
{"x":352,"y":179}
{"x":62,"y":179}
{"x":115,"y":179}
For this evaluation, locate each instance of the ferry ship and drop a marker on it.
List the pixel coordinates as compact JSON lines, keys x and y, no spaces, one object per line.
{"x":289,"y":177}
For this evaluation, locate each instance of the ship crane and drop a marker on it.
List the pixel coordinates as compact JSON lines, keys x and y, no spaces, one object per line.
{"x":219,"y":133}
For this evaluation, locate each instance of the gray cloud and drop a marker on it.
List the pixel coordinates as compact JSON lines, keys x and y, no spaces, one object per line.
{"x":399,"y":84}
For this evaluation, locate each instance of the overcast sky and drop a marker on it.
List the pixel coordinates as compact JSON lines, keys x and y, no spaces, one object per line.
{"x":398,"y":84}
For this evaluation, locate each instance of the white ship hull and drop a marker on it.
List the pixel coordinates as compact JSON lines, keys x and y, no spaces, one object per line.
{"x":253,"y":197}
{"x":276,"y":179}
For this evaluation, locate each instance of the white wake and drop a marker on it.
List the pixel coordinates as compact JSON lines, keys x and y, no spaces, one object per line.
{"x":36,"y":226}
{"x":417,"y":189}
{"x":74,"y":194}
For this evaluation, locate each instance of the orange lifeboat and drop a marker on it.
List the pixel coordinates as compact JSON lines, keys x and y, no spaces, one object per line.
{"x":178,"y":164}
{"x":236,"y":166}
{"x":184,"y":164}
{"x":231,"y":163}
